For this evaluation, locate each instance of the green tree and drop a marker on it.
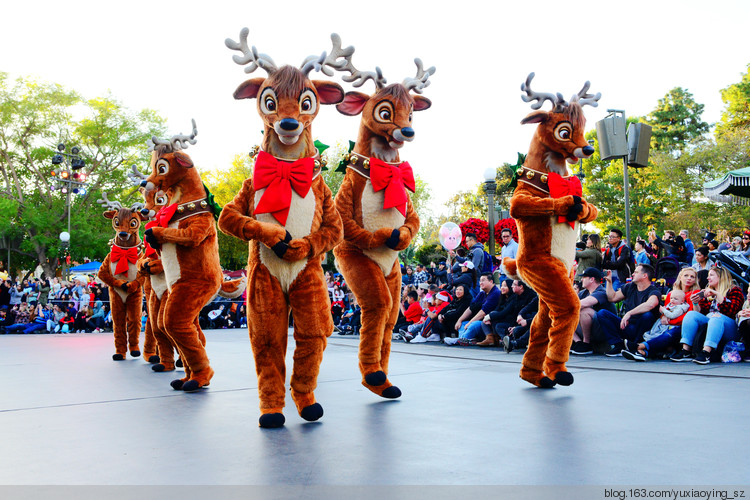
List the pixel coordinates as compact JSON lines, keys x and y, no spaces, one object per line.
{"x":34,"y":118}
{"x":736,"y":99}
{"x":676,"y":121}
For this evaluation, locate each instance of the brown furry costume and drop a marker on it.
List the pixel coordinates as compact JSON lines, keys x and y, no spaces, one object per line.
{"x":547,"y":206}
{"x":376,"y":210}
{"x":286,"y":213}
{"x":119,"y":272}
{"x":187,"y":241}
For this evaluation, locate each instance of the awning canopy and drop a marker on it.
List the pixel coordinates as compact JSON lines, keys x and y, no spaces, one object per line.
{"x":89,"y":267}
{"x":734,"y":187}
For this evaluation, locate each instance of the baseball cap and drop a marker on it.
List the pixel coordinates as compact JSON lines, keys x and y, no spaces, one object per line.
{"x":593,"y":272}
{"x":467,"y":264}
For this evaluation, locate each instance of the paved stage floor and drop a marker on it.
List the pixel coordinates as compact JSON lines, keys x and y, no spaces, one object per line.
{"x":69,"y":415}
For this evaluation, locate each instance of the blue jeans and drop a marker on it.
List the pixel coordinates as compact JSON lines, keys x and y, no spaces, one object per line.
{"x":659,"y":345}
{"x":610,"y":325}
{"x":470,"y":330}
{"x":719,"y":328}
{"x":16,"y":327}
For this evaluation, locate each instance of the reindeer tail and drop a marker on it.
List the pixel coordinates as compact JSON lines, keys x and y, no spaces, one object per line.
{"x":233,"y":288}
{"x":510,"y":268}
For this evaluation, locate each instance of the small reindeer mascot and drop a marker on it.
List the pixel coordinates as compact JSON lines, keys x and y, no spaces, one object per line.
{"x":547,"y":206}
{"x":286,"y":213}
{"x":185,"y":237}
{"x":377,"y":213}
{"x":120,"y":273}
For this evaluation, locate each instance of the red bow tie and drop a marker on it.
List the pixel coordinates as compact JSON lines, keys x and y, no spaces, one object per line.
{"x":123,"y":256}
{"x":559,"y":187}
{"x":163,"y":216}
{"x":395,"y":179}
{"x":279,"y":178}
{"x":150,"y":252}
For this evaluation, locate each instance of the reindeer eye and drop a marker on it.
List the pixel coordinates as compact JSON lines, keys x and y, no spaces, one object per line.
{"x":267,"y":101}
{"x":133,"y":223}
{"x":383,"y":112}
{"x":161,"y":200}
{"x":116,"y":221}
{"x":307,"y":102}
{"x":162,"y":167}
{"x":563,"y":131}
{"x":270,"y":104}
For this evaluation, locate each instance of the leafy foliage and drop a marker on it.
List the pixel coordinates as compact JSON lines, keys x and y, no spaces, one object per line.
{"x":736,"y":113}
{"x":676,"y":121}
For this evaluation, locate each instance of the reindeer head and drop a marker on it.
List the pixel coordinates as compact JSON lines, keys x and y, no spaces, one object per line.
{"x":125,"y":221}
{"x":559,"y":136}
{"x":172,"y":169}
{"x":154,"y":199}
{"x":387,"y":114}
{"x":288,"y":101}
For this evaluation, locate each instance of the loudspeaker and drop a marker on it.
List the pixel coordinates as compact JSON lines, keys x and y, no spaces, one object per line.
{"x":610,"y":133}
{"x":639,"y":141}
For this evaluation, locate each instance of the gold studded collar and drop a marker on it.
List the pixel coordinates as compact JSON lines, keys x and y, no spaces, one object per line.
{"x":113,"y":244}
{"x":189,"y":209}
{"x":361,"y":164}
{"x":534,"y":178}
{"x":319,"y":162}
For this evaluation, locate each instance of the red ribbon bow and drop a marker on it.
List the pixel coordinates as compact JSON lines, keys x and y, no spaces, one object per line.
{"x":123,"y":256}
{"x":150,"y":252}
{"x":564,"y":186}
{"x":279,"y":178}
{"x":395,"y":179}
{"x":163,"y":216}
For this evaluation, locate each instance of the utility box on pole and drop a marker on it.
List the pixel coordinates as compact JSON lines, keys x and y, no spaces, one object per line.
{"x":610,"y":133}
{"x":639,"y":142}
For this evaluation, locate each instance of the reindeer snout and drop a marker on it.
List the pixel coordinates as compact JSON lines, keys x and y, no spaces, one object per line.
{"x":588,"y":150}
{"x":145,"y":212}
{"x":143,"y":184}
{"x":407,"y":132}
{"x":123,"y":235}
{"x":289,"y":124}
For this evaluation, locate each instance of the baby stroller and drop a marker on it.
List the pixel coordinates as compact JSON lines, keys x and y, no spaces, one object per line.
{"x":737,"y":264}
{"x":667,"y":268}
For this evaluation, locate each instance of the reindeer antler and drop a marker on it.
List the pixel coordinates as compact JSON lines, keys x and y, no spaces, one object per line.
{"x":250,"y":55}
{"x":341,"y":60}
{"x":583,"y":98}
{"x":137,"y":207}
{"x":557,"y":101}
{"x":419,"y":82}
{"x":112,"y":205}
{"x":136,"y":176}
{"x":176,"y":143}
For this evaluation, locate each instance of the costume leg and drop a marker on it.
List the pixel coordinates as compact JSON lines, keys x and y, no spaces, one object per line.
{"x":532,"y":369}
{"x":308,"y":298}
{"x":163,"y":342}
{"x":119,"y":326}
{"x":149,"y":340}
{"x":394,"y":286}
{"x":134,"y":307}
{"x":267,"y":323}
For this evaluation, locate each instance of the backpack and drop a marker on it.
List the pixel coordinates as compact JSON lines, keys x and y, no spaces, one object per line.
{"x":486,"y":262}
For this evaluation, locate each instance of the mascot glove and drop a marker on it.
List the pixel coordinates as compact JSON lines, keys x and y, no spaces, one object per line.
{"x":150,"y":238}
{"x":576,"y":210}
{"x":282,"y":246}
{"x":125,"y":287}
{"x":268,"y":234}
{"x":298,"y":249}
{"x":404,"y":238}
{"x":382,"y":235}
{"x":561,"y":206}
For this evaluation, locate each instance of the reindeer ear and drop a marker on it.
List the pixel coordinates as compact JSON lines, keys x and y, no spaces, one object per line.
{"x":536,"y":117}
{"x":329,"y":92}
{"x":421,"y":103}
{"x":249,"y":88}
{"x":183,"y":159}
{"x":353,"y":103}
{"x":110,"y":214}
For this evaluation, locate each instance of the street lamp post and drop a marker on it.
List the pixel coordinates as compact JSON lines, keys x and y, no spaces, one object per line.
{"x":70,"y":181}
{"x":490,"y":186}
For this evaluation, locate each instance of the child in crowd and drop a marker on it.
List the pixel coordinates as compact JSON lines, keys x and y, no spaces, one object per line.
{"x":671,"y":317}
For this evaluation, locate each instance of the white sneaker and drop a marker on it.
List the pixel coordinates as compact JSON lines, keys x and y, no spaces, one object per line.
{"x":450,"y":341}
{"x":435,"y":337}
{"x":418,"y":340}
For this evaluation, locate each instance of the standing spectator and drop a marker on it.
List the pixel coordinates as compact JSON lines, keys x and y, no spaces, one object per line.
{"x":475,"y":252}
{"x":593,"y":298}
{"x":5,"y":287}
{"x":16,"y":294}
{"x":44,"y":290}
{"x":617,"y":258}
{"x":408,"y":277}
{"x":441,"y":275}
{"x":510,"y":249}
{"x":469,"y":325}
{"x":420,"y":276}
{"x":591,"y":256}
{"x":719,"y":304}
{"x":466,"y":277}
{"x":640,"y":299}
{"x":641,"y":257}
{"x":689,"y":247}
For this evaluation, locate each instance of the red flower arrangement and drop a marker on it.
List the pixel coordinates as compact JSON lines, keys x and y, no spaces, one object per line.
{"x":508,"y":223}
{"x":476,"y":226}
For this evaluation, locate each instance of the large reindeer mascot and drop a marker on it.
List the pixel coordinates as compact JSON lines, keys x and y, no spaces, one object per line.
{"x":286,"y":213}
{"x":185,"y":237}
{"x":120,"y":273}
{"x":547,"y":206}
{"x":377,"y":213}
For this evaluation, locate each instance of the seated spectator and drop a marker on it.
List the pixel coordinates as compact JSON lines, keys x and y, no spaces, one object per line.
{"x":408,"y":277}
{"x":674,"y":311}
{"x":449,"y":316}
{"x":657,"y":346}
{"x":351,"y":320}
{"x":641,"y":257}
{"x":21,"y":319}
{"x":38,"y":320}
{"x":428,"y":329}
{"x":497,"y":323}
{"x":640,"y":301}
{"x":82,"y":324}
{"x":593,"y":298}
{"x":469,"y":325}
{"x":743,"y":328}
{"x":467,"y":276}
{"x":701,"y":259}
{"x":241,"y":317}
{"x":66,"y":323}
{"x":96,"y":320}
{"x":411,"y":310}
{"x":719,"y":304}
{"x":689,"y":247}
{"x":518,"y":336}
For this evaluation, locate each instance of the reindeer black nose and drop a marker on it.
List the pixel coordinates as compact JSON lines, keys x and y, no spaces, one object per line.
{"x":143,"y":184}
{"x":588,"y":150}
{"x":145,"y":211}
{"x":289,"y":124}
{"x":123,"y":235}
{"x":407,"y":132}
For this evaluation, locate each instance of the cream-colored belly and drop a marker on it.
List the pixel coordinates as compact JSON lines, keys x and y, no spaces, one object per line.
{"x":159,"y":284}
{"x":169,"y":261}
{"x":563,"y":244}
{"x":374,"y":217}
{"x":130,"y":276}
{"x":299,"y":224}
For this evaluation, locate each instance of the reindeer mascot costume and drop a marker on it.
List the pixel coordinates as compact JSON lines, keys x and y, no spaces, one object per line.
{"x":119,"y":272}
{"x":548,"y":207}
{"x":185,"y":237}
{"x":377,"y":213}
{"x":286,"y":213}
